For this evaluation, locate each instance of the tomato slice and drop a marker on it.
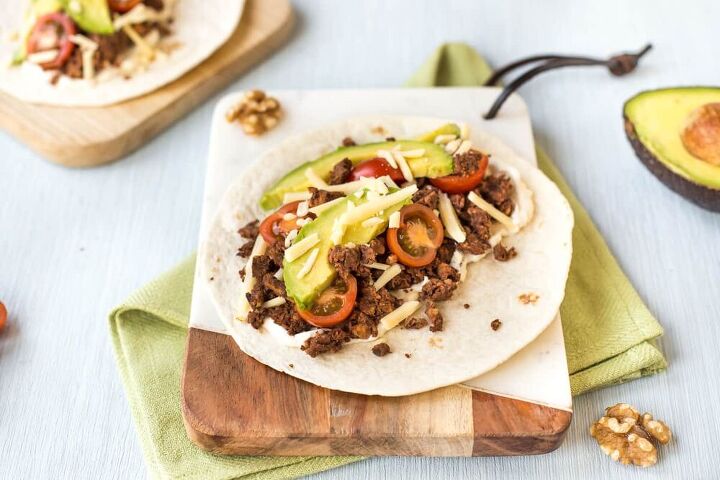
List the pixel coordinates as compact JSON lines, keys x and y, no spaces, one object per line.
{"x":122,"y":6}
{"x":52,"y":31}
{"x":333,"y":305}
{"x":273,"y":224}
{"x":416,"y":240}
{"x":462,"y":183}
{"x":376,"y":168}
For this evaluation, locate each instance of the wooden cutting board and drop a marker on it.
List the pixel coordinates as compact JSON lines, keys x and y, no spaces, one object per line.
{"x":85,"y":137}
{"x":232,"y":404}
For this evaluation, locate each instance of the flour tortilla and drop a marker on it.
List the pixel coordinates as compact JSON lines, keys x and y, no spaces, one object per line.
{"x":467,"y":347}
{"x":200,"y":27}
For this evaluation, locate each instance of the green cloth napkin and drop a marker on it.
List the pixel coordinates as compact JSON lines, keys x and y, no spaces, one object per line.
{"x":608,"y":330}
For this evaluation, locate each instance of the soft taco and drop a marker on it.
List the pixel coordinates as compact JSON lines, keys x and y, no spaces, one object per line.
{"x":388,"y":255}
{"x":99,"y":52}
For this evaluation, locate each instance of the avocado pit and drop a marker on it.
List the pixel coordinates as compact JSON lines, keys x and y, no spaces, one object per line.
{"x":701,"y":135}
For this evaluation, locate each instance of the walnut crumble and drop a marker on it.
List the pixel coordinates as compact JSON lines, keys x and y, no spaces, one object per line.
{"x":256,"y":112}
{"x":627,"y":437}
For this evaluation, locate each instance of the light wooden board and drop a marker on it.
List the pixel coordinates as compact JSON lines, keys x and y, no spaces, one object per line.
{"x":84,"y":137}
{"x":233,"y":404}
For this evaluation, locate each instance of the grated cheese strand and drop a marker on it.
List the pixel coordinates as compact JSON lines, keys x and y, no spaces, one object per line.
{"x":386,"y":276}
{"x":371,"y":208}
{"x":258,"y":249}
{"x":317,"y":210}
{"x":493,"y":212}
{"x":450,"y":220}
{"x":274,"y":302}
{"x":378,"y":266}
{"x":392,"y":319}
{"x":300,"y":248}
{"x":394,"y":220}
{"x":295,"y":196}
{"x":388,"y":157}
{"x":309,"y":263}
{"x":315,"y":179}
{"x":404,"y":167}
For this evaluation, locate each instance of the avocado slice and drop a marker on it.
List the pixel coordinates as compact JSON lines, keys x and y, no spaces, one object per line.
{"x":37,"y":9}
{"x":435,"y":163}
{"x":305,"y":290}
{"x":93,"y":16}
{"x":658,"y":122}
{"x":447,"y":129}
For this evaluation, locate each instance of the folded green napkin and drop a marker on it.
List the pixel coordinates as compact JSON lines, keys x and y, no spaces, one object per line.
{"x":608,"y":331}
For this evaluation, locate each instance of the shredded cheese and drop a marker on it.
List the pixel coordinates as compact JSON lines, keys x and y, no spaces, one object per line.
{"x":464,"y":147}
{"x":346,"y":188}
{"x":450,"y":220}
{"x":371,"y":222}
{"x":392,"y":319}
{"x":378,"y":266}
{"x":404,"y":167}
{"x":88,"y":48}
{"x":442,"y":139}
{"x":44,"y":56}
{"x":303,"y":221}
{"x":493,"y":212}
{"x":388,"y":181}
{"x":140,"y":42}
{"x":394,"y":220}
{"x":417,"y":153}
{"x":315,"y":179}
{"x":388,"y":157}
{"x":295,"y":196}
{"x":289,"y":216}
{"x":317,"y":210}
{"x":273,"y":302}
{"x":386,"y":276}
{"x":464,"y":131}
{"x":302,"y":209}
{"x":302,"y":247}
{"x":308,"y":265}
{"x":452,"y":146}
{"x":373,"y":207}
{"x":338,"y":230}
{"x":279,"y":274}
{"x":141,"y":13}
{"x":290,"y":237}
{"x":259,"y":248}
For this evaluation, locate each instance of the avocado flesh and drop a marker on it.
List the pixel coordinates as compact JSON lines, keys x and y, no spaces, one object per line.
{"x":305,"y":290}
{"x":435,"y":163}
{"x":658,"y":117}
{"x":93,"y":16}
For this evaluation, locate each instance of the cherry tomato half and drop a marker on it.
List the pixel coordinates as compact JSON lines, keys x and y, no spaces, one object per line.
{"x":3,"y":316}
{"x":462,"y":183}
{"x":273,"y":224}
{"x":376,"y":168}
{"x":333,"y":305}
{"x":52,"y":31}
{"x":122,"y":6}
{"x":416,"y":240}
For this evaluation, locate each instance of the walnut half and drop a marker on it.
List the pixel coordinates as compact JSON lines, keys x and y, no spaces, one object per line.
{"x":626,"y":436}
{"x":256,"y":112}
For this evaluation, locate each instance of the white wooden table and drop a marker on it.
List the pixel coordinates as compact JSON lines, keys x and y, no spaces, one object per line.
{"x":75,"y":243}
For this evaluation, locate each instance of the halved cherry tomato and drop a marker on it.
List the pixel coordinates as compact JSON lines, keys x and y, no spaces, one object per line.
{"x":333,"y":305}
{"x":273,"y":224}
{"x":416,"y":240}
{"x":462,"y":183}
{"x":122,"y":6}
{"x":52,"y":31}
{"x":3,"y":316}
{"x":376,"y":168}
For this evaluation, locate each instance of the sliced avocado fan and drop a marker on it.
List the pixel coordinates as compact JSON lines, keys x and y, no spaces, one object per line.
{"x":436,"y":162}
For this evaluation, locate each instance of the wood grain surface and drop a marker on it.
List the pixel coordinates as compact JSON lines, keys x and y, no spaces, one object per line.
{"x":233,"y":404}
{"x":85,"y":137}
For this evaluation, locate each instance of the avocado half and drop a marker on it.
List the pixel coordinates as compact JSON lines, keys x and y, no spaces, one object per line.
{"x":676,"y":134}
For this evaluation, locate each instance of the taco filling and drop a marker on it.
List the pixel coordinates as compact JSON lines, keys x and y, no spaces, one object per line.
{"x":374,"y":237}
{"x":90,"y":39}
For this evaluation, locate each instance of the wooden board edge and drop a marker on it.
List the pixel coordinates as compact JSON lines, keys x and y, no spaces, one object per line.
{"x":544,"y":436}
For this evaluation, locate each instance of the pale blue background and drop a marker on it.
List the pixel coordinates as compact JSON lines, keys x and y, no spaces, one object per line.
{"x":75,"y":243}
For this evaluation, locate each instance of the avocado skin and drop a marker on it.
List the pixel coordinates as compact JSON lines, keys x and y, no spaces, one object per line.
{"x":705,"y":197}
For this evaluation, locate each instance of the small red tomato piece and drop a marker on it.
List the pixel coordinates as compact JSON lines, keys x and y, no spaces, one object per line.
{"x":462,"y":183}
{"x":376,"y":168}
{"x":333,"y":305}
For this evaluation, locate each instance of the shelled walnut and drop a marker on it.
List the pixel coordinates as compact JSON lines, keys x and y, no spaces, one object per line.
{"x":256,"y":112}
{"x":626,"y":436}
